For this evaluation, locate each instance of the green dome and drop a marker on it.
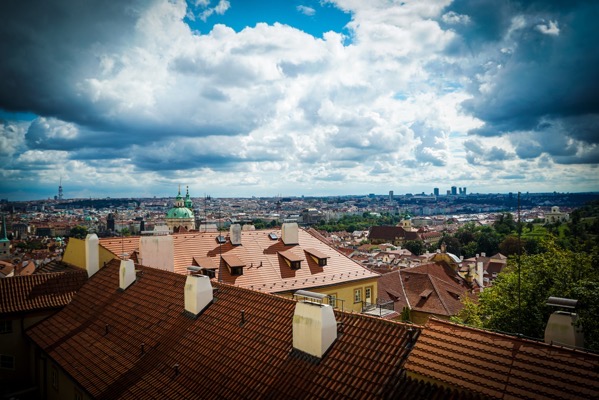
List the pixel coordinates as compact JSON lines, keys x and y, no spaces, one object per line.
{"x":179,"y":213}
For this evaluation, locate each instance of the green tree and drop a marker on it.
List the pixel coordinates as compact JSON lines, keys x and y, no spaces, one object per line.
{"x":417,"y":247}
{"x":79,"y":232}
{"x":469,"y":314}
{"x":556,"y":272}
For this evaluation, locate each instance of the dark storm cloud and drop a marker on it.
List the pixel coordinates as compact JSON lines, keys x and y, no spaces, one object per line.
{"x":543,"y":69}
{"x":47,"y":46}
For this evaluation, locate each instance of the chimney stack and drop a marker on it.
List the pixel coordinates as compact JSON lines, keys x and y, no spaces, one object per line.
{"x":481,"y":274}
{"x":314,"y":326}
{"x":289,"y":233}
{"x":198,"y":294}
{"x":126,"y":274}
{"x":235,"y":234}
{"x":562,"y":327}
{"x":92,"y":255}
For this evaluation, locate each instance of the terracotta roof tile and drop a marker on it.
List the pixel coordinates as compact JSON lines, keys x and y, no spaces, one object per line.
{"x":39,"y":291}
{"x":97,"y":340}
{"x":502,"y":366}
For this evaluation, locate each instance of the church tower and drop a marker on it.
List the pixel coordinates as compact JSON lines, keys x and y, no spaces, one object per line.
{"x":180,"y":218}
{"x":4,"y":242}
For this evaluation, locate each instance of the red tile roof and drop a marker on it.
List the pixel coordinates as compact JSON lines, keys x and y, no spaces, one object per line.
{"x":97,"y":339}
{"x":428,"y":288}
{"x":39,"y":291}
{"x":118,"y":245}
{"x":502,"y":366}
{"x":264,"y":269}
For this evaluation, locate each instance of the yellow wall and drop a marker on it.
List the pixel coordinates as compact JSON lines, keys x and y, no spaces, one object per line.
{"x":74,"y":253}
{"x":345,"y":293}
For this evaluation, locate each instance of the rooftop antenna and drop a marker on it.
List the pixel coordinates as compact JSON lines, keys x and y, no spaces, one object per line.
{"x":220,"y":248}
{"x":519,"y":268}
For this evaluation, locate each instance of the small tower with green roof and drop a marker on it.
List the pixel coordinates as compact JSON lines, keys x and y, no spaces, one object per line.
{"x":180,"y":217}
{"x":4,"y":242}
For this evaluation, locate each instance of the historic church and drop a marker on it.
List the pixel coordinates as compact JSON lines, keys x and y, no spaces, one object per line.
{"x":180,"y":218}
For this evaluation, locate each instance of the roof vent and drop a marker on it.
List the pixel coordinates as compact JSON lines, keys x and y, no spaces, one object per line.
{"x":126,"y":274}
{"x":289,"y":233}
{"x":235,"y":234}
{"x":198,"y":294}
{"x":220,"y":239}
{"x":273,"y":236}
{"x":314,"y":324}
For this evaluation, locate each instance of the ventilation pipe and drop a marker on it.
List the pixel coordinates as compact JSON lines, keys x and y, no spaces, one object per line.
{"x":198,"y":294}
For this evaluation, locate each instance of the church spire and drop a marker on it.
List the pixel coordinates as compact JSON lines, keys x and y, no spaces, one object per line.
{"x":4,"y":237}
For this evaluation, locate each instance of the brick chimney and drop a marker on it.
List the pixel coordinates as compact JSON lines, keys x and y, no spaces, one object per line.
{"x":198,"y":294}
{"x":289,"y":233}
{"x":314,"y":327}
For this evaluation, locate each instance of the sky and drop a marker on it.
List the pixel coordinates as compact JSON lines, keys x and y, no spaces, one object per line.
{"x":239,"y":98}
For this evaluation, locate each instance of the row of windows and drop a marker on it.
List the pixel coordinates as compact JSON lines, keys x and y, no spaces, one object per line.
{"x":368,"y":298}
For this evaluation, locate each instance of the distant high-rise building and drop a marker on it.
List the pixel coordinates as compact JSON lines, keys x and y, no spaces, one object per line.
{"x":390,"y":195}
{"x":454,"y":190}
{"x":436,"y":191}
{"x":464,"y":190}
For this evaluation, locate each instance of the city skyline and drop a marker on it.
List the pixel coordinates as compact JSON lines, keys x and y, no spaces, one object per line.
{"x":316,"y":98}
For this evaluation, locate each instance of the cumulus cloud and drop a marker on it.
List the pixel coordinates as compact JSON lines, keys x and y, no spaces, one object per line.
{"x":309,"y":11}
{"x":127,"y":92}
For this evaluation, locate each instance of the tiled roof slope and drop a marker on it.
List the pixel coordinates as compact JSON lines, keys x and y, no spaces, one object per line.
{"x":407,"y":286}
{"x":265,"y":268}
{"x":97,"y":339}
{"x":117,"y":245}
{"x":502,"y":366}
{"x":39,"y":291}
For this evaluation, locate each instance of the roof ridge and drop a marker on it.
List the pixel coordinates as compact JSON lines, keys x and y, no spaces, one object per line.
{"x":439,"y":295}
{"x":510,"y":336}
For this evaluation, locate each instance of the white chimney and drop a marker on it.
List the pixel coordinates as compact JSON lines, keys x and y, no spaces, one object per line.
{"x":126,"y":274}
{"x":157,"y":252}
{"x":235,"y":234}
{"x":289,"y":233}
{"x":198,"y":293}
{"x":92,"y":257}
{"x":562,"y":329}
{"x":480,"y":272}
{"x":314,"y":328}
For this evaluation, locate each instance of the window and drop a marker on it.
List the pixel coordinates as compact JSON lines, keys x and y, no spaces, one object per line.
{"x":54,"y":377}
{"x":7,"y":362}
{"x":322,"y":262}
{"x":6,"y":326}
{"x":296,"y":264}
{"x":236,"y":271}
{"x":333,"y":300}
{"x":357,"y":295}
{"x":368,"y":295}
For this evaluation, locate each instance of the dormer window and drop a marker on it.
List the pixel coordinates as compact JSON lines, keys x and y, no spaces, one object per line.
{"x":293,"y":260}
{"x":318,"y":257}
{"x":234,"y":264}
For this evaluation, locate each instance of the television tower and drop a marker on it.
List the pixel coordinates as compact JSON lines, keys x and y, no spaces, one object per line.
{"x":60,"y":189}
